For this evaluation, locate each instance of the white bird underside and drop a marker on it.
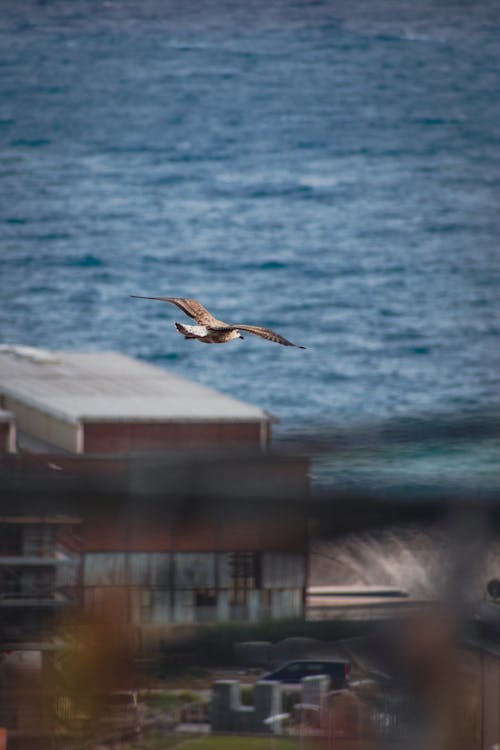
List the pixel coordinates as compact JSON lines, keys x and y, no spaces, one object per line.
{"x":210,"y":330}
{"x":206,"y":335}
{"x":195,"y":331}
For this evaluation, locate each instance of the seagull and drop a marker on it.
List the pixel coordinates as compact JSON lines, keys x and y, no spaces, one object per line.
{"x":212,"y":331}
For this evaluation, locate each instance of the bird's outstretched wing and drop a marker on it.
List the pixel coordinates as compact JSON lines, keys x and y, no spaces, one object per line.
{"x":192,"y":308}
{"x":265,"y":333}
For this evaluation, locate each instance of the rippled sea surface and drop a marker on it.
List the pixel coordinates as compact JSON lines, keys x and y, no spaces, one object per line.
{"x":328,"y":169}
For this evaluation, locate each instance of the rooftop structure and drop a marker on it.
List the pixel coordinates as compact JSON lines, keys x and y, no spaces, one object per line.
{"x":106,"y":402}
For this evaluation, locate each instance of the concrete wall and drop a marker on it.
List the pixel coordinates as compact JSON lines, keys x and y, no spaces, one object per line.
{"x":229,"y":715}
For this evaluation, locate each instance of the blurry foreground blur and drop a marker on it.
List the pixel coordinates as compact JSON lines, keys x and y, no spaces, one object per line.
{"x":144,"y":599}
{"x":166,"y":570}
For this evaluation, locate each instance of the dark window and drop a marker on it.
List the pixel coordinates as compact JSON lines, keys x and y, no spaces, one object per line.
{"x":10,"y":582}
{"x":11,"y":539}
{"x":315,"y":668}
{"x":244,"y":575}
{"x":205,"y":598}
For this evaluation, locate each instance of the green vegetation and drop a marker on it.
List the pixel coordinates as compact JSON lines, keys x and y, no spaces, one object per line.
{"x":160,"y":701}
{"x":175,"y":668}
{"x":289,"y":697}
{"x":238,"y":743}
{"x":214,"y":742}
{"x":213,"y":645}
{"x":155,"y":742}
{"x":187,"y":697}
{"x":165,"y":700}
{"x":246,"y":694}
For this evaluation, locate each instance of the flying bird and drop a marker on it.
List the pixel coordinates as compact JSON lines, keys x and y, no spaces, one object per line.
{"x":212,"y":331}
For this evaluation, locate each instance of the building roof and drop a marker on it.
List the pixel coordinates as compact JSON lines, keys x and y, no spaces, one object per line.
{"x":109,"y":386}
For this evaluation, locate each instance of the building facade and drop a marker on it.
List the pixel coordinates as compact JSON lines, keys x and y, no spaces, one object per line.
{"x":141,"y":443}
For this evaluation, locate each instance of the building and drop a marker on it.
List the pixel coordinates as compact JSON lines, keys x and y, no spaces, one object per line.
{"x":135,"y":499}
{"x":165,"y":542}
{"x":104,"y":402}
{"x":217,"y":569}
{"x":39,"y":572}
{"x":167,"y":525}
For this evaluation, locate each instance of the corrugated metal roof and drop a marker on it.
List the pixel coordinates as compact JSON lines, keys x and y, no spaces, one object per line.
{"x":109,"y":386}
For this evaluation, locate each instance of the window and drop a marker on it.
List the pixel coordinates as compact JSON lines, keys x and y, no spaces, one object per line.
{"x":11,"y":539}
{"x":205,"y":598}
{"x":315,"y":668}
{"x":244,"y":575}
{"x":292,"y":669}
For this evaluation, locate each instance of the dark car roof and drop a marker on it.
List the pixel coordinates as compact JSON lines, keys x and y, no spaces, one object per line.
{"x":334,"y":668}
{"x":310,"y":661}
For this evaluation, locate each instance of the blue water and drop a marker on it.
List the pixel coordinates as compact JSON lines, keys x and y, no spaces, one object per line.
{"x":328,"y":169}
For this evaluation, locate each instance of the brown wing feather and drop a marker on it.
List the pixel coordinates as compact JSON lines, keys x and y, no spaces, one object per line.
{"x":192,"y":308}
{"x":267,"y":333}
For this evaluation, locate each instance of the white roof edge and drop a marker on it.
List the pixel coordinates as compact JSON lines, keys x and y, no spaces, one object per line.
{"x":259,"y":416}
{"x":97,"y":419}
{"x":7,"y":391}
{"x":7,"y":416}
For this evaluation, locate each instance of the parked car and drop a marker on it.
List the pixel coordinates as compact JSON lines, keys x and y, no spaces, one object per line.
{"x":294,"y":671}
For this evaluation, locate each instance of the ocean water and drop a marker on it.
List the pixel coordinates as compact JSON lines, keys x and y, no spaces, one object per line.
{"x":327,"y":169}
